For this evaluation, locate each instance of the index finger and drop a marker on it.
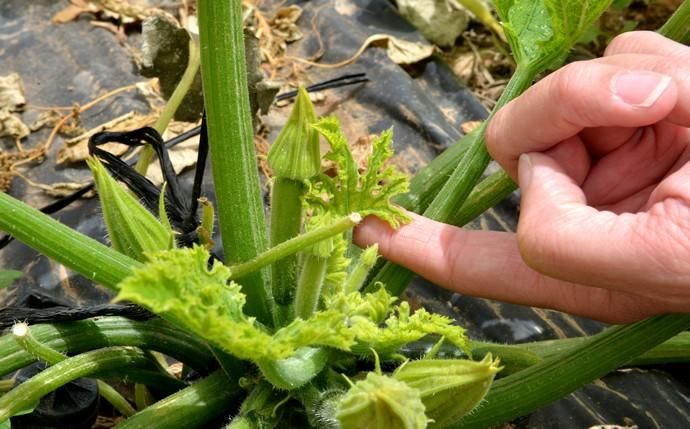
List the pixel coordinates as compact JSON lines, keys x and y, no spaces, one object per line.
{"x":578,"y":96}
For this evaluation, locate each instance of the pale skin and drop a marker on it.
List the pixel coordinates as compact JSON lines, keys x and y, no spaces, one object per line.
{"x":600,"y":150}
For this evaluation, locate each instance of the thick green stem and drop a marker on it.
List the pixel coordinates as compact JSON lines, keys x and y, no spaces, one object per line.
{"x":677,"y":27}
{"x":193,"y":407}
{"x":76,"y":251}
{"x":29,"y":392}
{"x":429,"y":180}
{"x":186,"y":81}
{"x":295,"y":245}
{"x":676,"y":349}
{"x":485,"y":195}
{"x":77,"y":337}
{"x":560,"y":374}
{"x":231,"y":138}
{"x":309,"y":285}
{"x":476,"y":158}
{"x":286,"y":222}
{"x":6,"y":385}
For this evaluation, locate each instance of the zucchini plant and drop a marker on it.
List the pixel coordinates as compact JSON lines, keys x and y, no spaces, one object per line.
{"x":297,"y":327}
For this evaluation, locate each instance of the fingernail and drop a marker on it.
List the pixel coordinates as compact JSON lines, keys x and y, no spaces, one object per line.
{"x":640,"y":88}
{"x":524,"y":170}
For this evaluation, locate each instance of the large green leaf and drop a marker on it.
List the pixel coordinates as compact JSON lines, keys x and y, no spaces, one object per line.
{"x":541,"y":32}
{"x":178,"y":285}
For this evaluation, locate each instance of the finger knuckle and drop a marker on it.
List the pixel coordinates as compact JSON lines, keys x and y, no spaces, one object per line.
{"x":628,"y":42}
{"x":534,"y":244}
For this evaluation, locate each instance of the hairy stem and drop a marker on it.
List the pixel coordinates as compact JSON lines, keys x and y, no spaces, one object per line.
{"x":309,"y":285}
{"x":29,"y":392}
{"x":76,"y":251}
{"x":77,"y":337}
{"x":241,"y":217}
{"x":295,"y":245}
{"x":192,"y":407}
{"x":286,"y":222}
{"x":562,"y":373}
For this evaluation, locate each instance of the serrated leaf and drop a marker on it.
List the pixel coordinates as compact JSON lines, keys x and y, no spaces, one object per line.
{"x":573,"y":17}
{"x":543,"y":31}
{"x":7,"y":277}
{"x":401,"y":328}
{"x":178,"y":285}
{"x":349,"y":191}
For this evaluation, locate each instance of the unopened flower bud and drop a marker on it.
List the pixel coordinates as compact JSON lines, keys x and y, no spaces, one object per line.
{"x":295,"y":153}
{"x":132,"y":229}
{"x":380,"y":401}
{"x":449,"y":388}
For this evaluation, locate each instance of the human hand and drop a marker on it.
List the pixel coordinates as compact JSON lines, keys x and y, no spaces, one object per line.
{"x":599,"y":149}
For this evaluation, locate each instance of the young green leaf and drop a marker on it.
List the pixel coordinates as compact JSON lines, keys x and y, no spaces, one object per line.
{"x":7,"y":277}
{"x":349,"y":191}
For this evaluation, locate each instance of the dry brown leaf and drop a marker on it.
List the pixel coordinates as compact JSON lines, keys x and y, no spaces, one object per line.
{"x":284,"y":23}
{"x":12,"y":126}
{"x":121,"y":10}
{"x":439,"y":21}
{"x":182,"y":157}
{"x":12,"y":92}
{"x":403,"y":52}
{"x":469,"y":126}
{"x":47,"y":118}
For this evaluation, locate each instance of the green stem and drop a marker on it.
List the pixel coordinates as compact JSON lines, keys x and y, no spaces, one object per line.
{"x":76,"y":251}
{"x":430,"y":179}
{"x":6,"y":385}
{"x":358,"y":274}
{"x":142,"y":397}
{"x":561,"y":374}
{"x":476,"y":158}
{"x":162,"y":382}
{"x":485,"y":195}
{"x":295,"y":245}
{"x":186,"y":81}
{"x":193,"y":407}
{"x":677,"y":27}
{"x":231,"y":138}
{"x":286,"y":222}
{"x":77,"y":337}
{"x":309,"y":285}
{"x":676,"y":349}
{"x":29,"y":392}
{"x":114,"y":398}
